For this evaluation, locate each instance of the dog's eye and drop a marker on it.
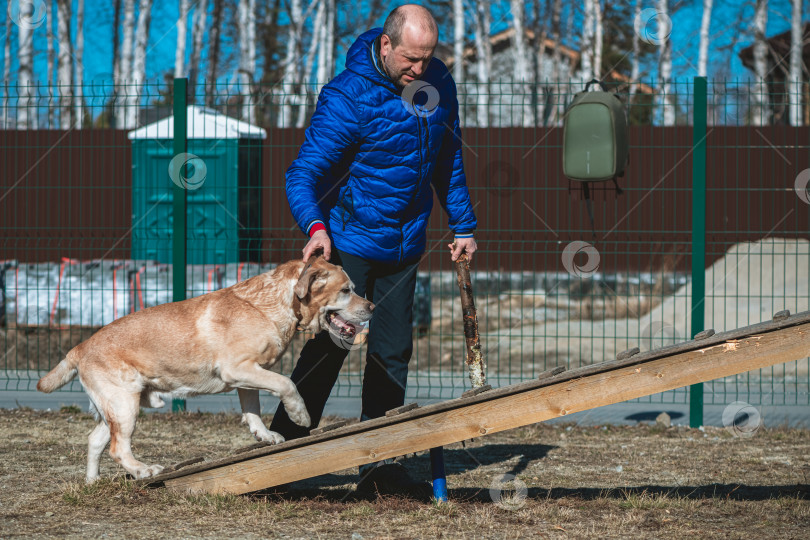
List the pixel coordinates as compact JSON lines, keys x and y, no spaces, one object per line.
{"x":345,"y":290}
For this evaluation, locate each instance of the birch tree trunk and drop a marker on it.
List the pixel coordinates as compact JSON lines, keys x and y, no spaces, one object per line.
{"x":26,"y":115}
{"x":79,"y":113}
{"x":665,"y":99}
{"x":794,"y":88}
{"x":483,"y":47}
{"x":123,"y":78}
{"x":180,"y":50}
{"x":634,"y":61}
{"x":556,"y":12}
{"x":598,"y":39}
{"x":458,"y":41}
{"x":246,"y":18}
{"x":139,"y":63}
{"x":50,"y":59}
{"x":521,"y":69}
{"x":290,"y":77}
{"x":6,"y":74}
{"x":586,"y":59}
{"x":760,"y":110}
{"x":64,"y":64}
{"x":326,"y":46}
{"x":310,"y":58}
{"x":197,"y":33}
{"x":705,"y":24}
{"x":213,"y":53}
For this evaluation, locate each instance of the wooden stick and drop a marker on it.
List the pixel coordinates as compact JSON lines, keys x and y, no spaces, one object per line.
{"x":475,"y":359}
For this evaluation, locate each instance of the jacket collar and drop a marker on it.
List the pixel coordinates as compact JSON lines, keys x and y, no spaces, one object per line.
{"x":363,"y":59}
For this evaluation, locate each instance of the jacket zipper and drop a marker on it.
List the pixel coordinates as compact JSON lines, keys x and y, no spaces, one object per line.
{"x":418,"y":183}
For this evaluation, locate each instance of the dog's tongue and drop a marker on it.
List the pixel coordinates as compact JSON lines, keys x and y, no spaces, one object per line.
{"x":343,"y":324}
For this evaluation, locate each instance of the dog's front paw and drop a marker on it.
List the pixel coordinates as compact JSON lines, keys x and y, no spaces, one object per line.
{"x":267,"y":436}
{"x":297,"y":412}
{"x":146,"y":472}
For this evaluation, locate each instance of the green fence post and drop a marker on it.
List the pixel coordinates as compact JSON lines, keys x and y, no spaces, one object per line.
{"x":179,"y":208}
{"x":699,"y":114}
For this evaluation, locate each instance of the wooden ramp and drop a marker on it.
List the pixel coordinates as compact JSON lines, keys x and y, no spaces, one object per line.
{"x":554,"y":394}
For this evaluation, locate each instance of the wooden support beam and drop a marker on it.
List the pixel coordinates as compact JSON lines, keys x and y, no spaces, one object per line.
{"x":508,"y":408}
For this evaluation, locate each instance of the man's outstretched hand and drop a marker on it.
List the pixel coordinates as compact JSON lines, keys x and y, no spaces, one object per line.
{"x":319,"y":240}
{"x":462,"y":245}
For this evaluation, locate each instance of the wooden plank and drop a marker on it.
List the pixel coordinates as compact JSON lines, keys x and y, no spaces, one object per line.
{"x":548,"y":378}
{"x":505,"y":412}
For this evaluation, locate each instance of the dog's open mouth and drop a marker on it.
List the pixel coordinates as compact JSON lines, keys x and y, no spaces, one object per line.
{"x":343,"y":327}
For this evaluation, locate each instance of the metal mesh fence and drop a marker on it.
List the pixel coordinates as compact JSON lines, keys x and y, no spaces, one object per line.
{"x":86,"y":221}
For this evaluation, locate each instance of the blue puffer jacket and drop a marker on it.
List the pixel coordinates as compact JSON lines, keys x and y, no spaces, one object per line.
{"x":370,"y":158}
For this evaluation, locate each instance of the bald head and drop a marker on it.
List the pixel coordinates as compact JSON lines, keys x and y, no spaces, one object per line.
{"x":410,"y":35}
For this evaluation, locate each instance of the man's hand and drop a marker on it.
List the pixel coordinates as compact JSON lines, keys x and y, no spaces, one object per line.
{"x":462,"y":245}
{"x":319,"y":240}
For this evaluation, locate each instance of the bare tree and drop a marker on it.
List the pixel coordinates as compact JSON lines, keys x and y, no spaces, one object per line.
{"x":556,"y":11}
{"x":64,"y":64}
{"x":80,"y":64}
{"x":705,"y":24}
{"x":182,"y":30}
{"x":597,"y":39}
{"x":760,"y":103}
{"x":665,"y":99}
{"x":213,"y":52}
{"x":636,"y":59}
{"x":26,"y":117}
{"x":521,"y":67}
{"x":326,"y":46}
{"x":586,"y":49}
{"x":794,"y":87}
{"x":290,"y":78}
{"x":123,"y":76}
{"x":483,"y":48}
{"x":138,"y":63}
{"x":246,"y":22}
{"x":197,"y":33}
{"x":50,"y":59}
{"x":6,"y":73}
{"x":458,"y":41}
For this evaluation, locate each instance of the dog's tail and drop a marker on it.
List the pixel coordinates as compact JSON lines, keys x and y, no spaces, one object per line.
{"x":59,"y":376}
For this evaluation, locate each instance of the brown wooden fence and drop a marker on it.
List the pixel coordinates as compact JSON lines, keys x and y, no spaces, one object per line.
{"x":69,"y":194}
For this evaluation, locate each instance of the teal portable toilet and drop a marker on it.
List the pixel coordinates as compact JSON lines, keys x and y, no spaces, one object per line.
{"x":222,"y":171}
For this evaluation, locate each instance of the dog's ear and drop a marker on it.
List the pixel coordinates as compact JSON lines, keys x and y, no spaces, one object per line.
{"x":308,"y":275}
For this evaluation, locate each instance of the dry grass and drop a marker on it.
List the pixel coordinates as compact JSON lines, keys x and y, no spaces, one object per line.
{"x":640,"y":481}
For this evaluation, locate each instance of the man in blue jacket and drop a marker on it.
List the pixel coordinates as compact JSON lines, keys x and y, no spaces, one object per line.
{"x":384,"y":131}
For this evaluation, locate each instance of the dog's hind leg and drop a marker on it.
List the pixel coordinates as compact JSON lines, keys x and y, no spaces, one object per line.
{"x":98,"y":440}
{"x":251,"y":415}
{"x":121,"y":413}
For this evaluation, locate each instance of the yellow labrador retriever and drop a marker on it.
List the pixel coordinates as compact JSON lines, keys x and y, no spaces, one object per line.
{"x":205,"y":345}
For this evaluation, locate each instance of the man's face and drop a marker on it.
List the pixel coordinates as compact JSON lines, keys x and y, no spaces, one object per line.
{"x":410,"y":58}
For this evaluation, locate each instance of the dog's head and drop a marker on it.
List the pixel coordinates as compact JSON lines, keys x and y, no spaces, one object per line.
{"x":328,"y":301}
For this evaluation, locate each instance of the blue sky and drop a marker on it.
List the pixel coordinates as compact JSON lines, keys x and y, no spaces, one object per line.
{"x":685,"y":26}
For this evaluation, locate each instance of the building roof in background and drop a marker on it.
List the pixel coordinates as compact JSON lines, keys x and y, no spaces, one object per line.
{"x":203,"y":123}
{"x":779,"y":49}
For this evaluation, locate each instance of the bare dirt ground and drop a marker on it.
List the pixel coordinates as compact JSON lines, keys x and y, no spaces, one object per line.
{"x":641,"y":481}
